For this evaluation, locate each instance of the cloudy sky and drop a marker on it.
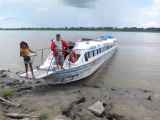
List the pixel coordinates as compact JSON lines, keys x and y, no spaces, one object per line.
{"x":61,"y":13}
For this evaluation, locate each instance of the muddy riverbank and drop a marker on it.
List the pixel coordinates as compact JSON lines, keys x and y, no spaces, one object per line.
{"x":71,"y":101}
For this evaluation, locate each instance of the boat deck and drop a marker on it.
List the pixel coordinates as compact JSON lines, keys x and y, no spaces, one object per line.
{"x":38,"y":74}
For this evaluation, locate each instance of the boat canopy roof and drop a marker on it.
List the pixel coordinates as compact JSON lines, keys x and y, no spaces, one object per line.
{"x":106,"y":36}
{"x":91,"y":44}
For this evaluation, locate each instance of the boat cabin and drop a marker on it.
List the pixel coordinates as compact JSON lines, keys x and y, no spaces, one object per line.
{"x":88,"y":50}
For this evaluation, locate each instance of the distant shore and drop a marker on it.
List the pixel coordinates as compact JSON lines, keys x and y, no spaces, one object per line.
{"x":112,"y":29}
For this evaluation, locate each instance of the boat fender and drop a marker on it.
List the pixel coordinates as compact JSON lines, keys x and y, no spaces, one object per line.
{"x":72,"y":56}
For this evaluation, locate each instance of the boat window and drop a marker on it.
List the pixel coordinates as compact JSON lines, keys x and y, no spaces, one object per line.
{"x":106,"y":47}
{"x":95,"y":52}
{"x":86,"y":56}
{"x":91,"y":54}
{"x":100,"y":50}
{"x":77,"y":56}
{"x":103,"y":49}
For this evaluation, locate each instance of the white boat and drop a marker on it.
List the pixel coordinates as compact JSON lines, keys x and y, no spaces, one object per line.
{"x":90,"y":55}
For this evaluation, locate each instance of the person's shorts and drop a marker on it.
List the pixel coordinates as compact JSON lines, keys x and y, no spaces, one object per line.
{"x":59,"y":59}
{"x":27,"y":60}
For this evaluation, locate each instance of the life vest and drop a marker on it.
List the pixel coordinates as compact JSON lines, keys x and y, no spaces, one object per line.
{"x":72,"y":56}
{"x":64,"y":46}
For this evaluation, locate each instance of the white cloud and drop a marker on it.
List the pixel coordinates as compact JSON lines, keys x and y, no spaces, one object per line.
{"x":7,"y":18}
{"x":156,"y":2}
{"x":8,"y":21}
{"x":150,"y":15}
{"x":10,"y":1}
{"x":42,"y":9}
{"x":103,"y":13}
{"x":150,"y":24}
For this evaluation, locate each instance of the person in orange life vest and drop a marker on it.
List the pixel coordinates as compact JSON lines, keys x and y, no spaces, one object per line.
{"x":59,"y":47}
{"x":24,"y":52}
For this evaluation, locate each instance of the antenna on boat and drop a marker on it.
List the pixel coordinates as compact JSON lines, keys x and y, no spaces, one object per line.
{"x":78,"y":41}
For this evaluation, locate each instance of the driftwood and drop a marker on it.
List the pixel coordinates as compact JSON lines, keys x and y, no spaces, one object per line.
{"x":20,"y":116}
{"x":12,"y":103}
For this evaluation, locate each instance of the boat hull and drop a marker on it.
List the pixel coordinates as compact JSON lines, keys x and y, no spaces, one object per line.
{"x":78,"y":73}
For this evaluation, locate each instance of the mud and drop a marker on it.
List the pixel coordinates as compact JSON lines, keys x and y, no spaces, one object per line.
{"x":72,"y":101}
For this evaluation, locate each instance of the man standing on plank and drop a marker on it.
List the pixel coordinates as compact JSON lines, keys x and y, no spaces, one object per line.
{"x":58,"y":47}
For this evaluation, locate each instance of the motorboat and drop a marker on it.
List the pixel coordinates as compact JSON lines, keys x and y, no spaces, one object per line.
{"x":88,"y":55}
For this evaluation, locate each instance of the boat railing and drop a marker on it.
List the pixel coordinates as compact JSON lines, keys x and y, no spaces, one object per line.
{"x":43,"y":54}
{"x":40,"y":56}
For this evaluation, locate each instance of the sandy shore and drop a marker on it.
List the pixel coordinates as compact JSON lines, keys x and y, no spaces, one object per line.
{"x":71,"y":101}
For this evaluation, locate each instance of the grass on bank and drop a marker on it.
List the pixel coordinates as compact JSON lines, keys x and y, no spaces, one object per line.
{"x":6,"y":93}
{"x":43,"y":116}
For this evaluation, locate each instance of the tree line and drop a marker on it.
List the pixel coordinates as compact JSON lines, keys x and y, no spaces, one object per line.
{"x":125,"y":29}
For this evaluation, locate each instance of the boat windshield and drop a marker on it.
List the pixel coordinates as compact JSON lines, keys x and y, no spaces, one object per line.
{"x":77,"y":56}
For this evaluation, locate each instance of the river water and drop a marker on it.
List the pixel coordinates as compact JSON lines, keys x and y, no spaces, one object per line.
{"x":136,"y":64}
